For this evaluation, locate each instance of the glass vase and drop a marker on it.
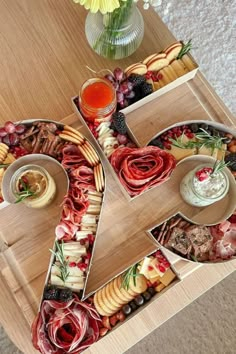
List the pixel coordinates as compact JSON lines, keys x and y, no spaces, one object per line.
{"x":118,"y":34}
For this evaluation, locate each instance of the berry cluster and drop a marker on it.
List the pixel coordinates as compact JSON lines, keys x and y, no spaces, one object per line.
{"x":128,"y":89}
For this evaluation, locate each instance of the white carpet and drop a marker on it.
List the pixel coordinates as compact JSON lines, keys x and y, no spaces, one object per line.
{"x":208,"y":325}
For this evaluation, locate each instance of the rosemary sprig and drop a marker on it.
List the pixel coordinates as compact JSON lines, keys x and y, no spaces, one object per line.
{"x":129,"y":275}
{"x":59,"y":254}
{"x":25,"y":193}
{"x":218,"y":166}
{"x":204,"y":139}
{"x":185,"y":49}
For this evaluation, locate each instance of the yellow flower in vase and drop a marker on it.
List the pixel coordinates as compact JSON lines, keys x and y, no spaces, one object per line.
{"x":104,"y":6}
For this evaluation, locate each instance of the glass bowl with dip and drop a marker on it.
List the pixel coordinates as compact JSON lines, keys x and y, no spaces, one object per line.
{"x":205,"y":184}
{"x":33,"y":186}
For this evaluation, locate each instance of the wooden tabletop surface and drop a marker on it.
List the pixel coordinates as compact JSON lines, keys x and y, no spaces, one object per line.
{"x":43,"y":61}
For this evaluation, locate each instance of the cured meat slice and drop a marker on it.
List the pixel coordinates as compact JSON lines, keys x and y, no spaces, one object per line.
{"x":65,"y":327}
{"x":142,"y":168}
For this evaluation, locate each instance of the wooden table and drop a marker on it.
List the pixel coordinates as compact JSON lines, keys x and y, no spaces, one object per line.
{"x":43,"y":57}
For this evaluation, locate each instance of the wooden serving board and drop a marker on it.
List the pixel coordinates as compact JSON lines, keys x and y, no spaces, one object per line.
{"x":121,"y":237}
{"x":41,"y":52}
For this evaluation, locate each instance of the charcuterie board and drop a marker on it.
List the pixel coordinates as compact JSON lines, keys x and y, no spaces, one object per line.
{"x":25,"y":237}
{"x":27,"y":283}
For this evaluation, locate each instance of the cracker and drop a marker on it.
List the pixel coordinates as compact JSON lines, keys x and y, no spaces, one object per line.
{"x":98,"y":306}
{"x":114,"y":308}
{"x":111,"y":299}
{"x":74,"y":131}
{"x":123,"y":290}
{"x":69,"y":138}
{"x":114,"y":295}
{"x":140,"y":286}
{"x":93,"y":152}
{"x":97,"y":179}
{"x":86,"y":155}
{"x":103,"y":305}
{"x":122,"y":295}
{"x":72,"y":135}
{"x":101,"y":176}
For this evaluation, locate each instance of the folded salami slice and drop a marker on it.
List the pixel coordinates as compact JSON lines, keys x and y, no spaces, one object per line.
{"x":139,"y":169}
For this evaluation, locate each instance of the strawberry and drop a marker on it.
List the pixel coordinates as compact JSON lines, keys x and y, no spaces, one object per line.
{"x":103,"y":331}
{"x":204,"y":173}
{"x":106,"y":322}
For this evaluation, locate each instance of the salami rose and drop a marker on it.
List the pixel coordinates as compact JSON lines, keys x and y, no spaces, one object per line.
{"x":142,"y":168}
{"x":65,"y":327}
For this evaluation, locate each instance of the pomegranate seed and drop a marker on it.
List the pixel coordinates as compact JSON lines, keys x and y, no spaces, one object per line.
{"x":190,"y":135}
{"x":161,"y":268}
{"x":150,"y":268}
{"x":72,"y":264}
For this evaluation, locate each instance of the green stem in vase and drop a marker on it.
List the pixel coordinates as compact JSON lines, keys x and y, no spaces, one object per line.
{"x":112,"y":22}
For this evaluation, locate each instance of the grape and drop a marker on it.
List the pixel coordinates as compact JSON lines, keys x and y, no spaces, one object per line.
{"x":119,"y":97}
{"x":130,"y":85}
{"x":110,"y":78}
{"x":119,"y":74}
{"x":124,"y":103}
{"x":6,"y":140}
{"x":2,"y":132}
{"x":14,"y":139}
{"x":131,"y":94}
{"x":115,"y":85}
{"x":20,"y":128}
{"x":122,"y":139}
{"x":10,"y":127}
{"x":124,"y":88}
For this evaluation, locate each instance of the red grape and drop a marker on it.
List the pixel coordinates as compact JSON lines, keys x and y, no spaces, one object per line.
{"x":2,"y":132}
{"x":10,"y":127}
{"x":119,"y":74}
{"x":115,"y":85}
{"x":110,"y":78}
{"x":14,"y":139}
{"x":6,"y":140}
{"x":131,"y":94}
{"x":130,"y":85}
{"x":124,"y":88}
{"x":20,"y":128}
{"x":119,"y":97}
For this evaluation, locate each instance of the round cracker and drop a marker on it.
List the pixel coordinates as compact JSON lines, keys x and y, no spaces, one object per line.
{"x":111,"y":299}
{"x":93,"y":152}
{"x":69,"y":138}
{"x":122,"y":295}
{"x":103,"y":304}
{"x":86,"y":149}
{"x":86,"y":155}
{"x":4,"y":146}
{"x":74,"y":131}
{"x":109,"y":305}
{"x":98,"y":306}
{"x":114,"y":294}
{"x":123,"y":290}
{"x":68,"y":133}
{"x":101,"y":176}
{"x":140,"y":286}
{"x":97,"y":179}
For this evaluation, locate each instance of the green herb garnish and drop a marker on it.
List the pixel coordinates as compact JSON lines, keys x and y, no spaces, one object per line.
{"x":204,"y":139}
{"x":59,"y":254}
{"x":218,"y":166}
{"x":128,"y":275}
{"x":185,"y":49}
{"x":25,"y":192}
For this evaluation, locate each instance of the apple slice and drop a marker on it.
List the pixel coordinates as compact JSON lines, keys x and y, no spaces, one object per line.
{"x":157,"y":64}
{"x":140,"y":69}
{"x":145,"y":61}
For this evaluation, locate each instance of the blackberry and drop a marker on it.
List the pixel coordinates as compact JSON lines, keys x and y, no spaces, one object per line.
{"x":136,"y":79}
{"x":146,"y":89}
{"x":232,"y":159}
{"x":118,"y":119}
{"x":65,"y":295}
{"x":51,"y":293}
{"x":157,"y":142}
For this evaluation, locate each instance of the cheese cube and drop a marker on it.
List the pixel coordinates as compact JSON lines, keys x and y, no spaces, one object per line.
{"x":167,"y":277}
{"x":159,"y":287}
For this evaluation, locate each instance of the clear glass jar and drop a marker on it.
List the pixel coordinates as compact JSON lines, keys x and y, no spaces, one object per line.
{"x":118,"y":34}
{"x":97,"y":99}
{"x":38,"y":181}
{"x":203,"y":193}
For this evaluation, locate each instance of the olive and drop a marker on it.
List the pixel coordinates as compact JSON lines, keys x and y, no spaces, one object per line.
{"x":147,"y":296}
{"x":157,"y":142}
{"x":215,"y":132}
{"x":194,"y":127}
{"x":151,"y":291}
{"x":126,"y":309}
{"x":204,"y":126}
{"x":208,"y":131}
{"x":133,"y":305}
{"x":227,"y":140}
{"x":139,"y":300}
{"x":221,"y":134}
